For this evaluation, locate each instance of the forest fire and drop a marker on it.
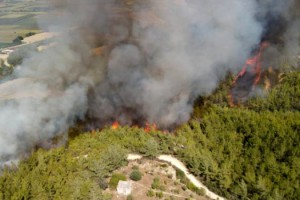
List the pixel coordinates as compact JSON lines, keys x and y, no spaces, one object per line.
{"x":147,"y":128}
{"x":137,"y":62}
{"x":115,"y":125}
{"x":150,"y":127}
{"x":248,"y":77}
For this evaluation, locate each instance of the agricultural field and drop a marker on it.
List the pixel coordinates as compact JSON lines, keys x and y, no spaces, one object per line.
{"x":17,"y":18}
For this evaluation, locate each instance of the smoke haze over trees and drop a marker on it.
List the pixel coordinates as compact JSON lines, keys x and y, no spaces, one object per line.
{"x":159,"y":56}
{"x":239,"y":153}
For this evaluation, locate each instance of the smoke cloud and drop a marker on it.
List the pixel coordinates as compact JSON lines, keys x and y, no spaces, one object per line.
{"x":134,"y":62}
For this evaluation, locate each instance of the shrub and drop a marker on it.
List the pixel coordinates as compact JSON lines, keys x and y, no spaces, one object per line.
{"x":115,"y":157}
{"x":164,"y":165}
{"x":113,"y":183}
{"x":135,"y":175}
{"x":103,"y":184}
{"x":198,"y":191}
{"x":29,"y":34}
{"x":155,"y":184}
{"x":150,"y":193}
{"x":16,"y":58}
{"x":130,"y":197}
{"x":18,"y":40}
{"x":159,"y":195}
{"x":151,"y":148}
{"x":201,"y":192}
{"x":192,"y":187}
{"x":4,"y":70}
{"x":180,"y":174}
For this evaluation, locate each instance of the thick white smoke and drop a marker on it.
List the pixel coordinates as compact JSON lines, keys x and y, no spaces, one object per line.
{"x":158,"y":57}
{"x":182,"y":54}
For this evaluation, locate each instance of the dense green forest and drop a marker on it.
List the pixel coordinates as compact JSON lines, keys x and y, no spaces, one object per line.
{"x":247,"y":152}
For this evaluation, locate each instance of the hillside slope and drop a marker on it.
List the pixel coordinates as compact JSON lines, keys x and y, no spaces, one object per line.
{"x":241,"y":153}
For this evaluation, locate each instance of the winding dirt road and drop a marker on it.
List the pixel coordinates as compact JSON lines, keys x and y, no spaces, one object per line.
{"x":178,"y":164}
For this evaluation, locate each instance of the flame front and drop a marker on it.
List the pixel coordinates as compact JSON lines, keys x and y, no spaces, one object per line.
{"x":147,"y":128}
{"x":248,"y":77}
{"x":150,"y":127}
{"x":115,"y":125}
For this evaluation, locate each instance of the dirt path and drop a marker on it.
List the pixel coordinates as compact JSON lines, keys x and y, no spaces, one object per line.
{"x":178,"y":164}
{"x":175,"y":162}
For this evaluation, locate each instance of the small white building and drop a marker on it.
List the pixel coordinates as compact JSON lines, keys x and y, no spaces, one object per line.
{"x":124,"y":188}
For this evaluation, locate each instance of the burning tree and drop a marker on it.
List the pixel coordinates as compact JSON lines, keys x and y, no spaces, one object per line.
{"x":248,"y":78}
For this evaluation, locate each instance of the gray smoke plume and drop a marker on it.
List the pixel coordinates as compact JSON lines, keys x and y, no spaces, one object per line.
{"x":131,"y":61}
{"x":281,"y":28}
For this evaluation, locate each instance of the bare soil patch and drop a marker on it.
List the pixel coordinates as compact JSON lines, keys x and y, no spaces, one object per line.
{"x":170,"y":187}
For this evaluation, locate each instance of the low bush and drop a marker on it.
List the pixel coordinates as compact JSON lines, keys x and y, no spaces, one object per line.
{"x":159,"y":195}
{"x":180,"y":174}
{"x":136,"y":175}
{"x":155,"y":183}
{"x":192,"y":187}
{"x":103,"y":184}
{"x":201,"y":192}
{"x":150,"y":193}
{"x":113,"y":183}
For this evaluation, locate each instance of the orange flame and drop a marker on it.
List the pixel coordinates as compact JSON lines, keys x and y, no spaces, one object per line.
{"x":255,"y":64}
{"x":115,"y":125}
{"x":150,"y":127}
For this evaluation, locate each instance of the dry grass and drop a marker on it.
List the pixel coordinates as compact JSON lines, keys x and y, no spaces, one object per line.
{"x":39,"y":37}
{"x":19,"y":18}
{"x":8,"y":33}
